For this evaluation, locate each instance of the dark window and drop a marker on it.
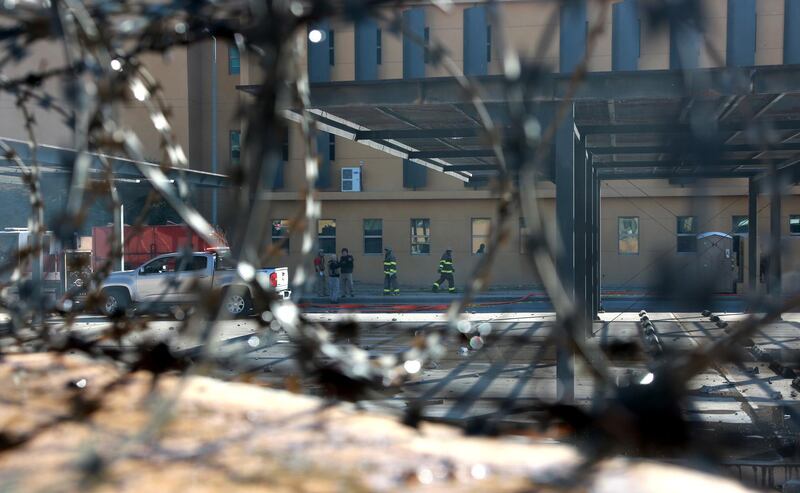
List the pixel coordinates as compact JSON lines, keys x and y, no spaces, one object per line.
{"x":373,"y":236}
{"x":331,"y":48}
{"x":234,"y":61}
{"x":420,"y":236}
{"x":235,"y":139}
{"x":326,"y":235}
{"x":740,"y":225}
{"x":794,"y":225}
{"x":280,"y":233}
{"x":379,"y":48}
{"x":285,"y":145}
{"x":331,"y":147}
{"x":198,"y":262}
{"x":488,"y":43}
{"x":687,"y":234}
{"x":427,"y":45}
{"x":628,"y":235}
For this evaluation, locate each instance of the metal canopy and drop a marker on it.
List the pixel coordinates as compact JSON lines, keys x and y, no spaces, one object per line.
{"x":59,"y":160}
{"x":714,"y":123}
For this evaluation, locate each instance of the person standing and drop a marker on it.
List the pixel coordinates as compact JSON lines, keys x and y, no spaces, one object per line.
{"x":346,"y":263}
{"x":319,"y":270}
{"x":446,"y":271}
{"x":333,"y":279}
{"x":481,"y":249}
{"x":390,"y":273}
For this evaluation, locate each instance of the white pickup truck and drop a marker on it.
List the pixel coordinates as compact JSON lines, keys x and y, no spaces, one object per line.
{"x":179,"y":279}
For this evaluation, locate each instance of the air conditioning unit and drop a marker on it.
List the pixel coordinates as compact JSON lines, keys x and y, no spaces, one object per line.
{"x":351,"y":179}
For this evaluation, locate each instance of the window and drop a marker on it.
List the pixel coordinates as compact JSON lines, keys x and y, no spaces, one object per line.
{"x":326,"y":235}
{"x":234,"y":61}
{"x":235,"y":145}
{"x":160,"y":266}
{"x":523,"y":236}
{"x":740,"y":225}
{"x":794,"y":225}
{"x":197,"y":262}
{"x":373,"y":236}
{"x":379,"y":48}
{"x":331,"y":147}
{"x":687,"y":234}
{"x":420,"y":237}
{"x":280,"y":233}
{"x":285,"y":145}
{"x":331,"y":48}
{"x":488,"y":43}
{"x":427,"y":44}
{"x":480,"y":235}
{"x":628,"y":235}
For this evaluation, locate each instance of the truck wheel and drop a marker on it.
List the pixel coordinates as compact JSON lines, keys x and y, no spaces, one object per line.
{"x":117,"y":301}
{"x":237,"y":302}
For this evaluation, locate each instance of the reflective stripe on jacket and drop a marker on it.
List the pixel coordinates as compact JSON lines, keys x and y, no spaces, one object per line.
{"x":389,"y":267}
{"x":446,"y":266}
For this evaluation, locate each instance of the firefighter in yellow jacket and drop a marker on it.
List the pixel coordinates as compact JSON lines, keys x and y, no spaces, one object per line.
{"x":446,"y":271}
{"x":390,"y":273}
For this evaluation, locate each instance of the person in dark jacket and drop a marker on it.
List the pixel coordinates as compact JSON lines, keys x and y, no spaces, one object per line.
{"x":346,"y":263}
{"x":333,"y":278}
{"x":390,"y":273}
{"x":446,"y":271}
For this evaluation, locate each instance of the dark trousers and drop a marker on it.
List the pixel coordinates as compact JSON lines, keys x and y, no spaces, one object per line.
{"x":451,"y":283}
{"x":390,"y":284}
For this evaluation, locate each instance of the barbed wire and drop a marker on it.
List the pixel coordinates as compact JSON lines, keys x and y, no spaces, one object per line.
{"x":103,"y":43}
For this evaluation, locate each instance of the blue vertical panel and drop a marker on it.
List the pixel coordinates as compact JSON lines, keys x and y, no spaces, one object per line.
{"x":791,"y":31}
{"x":684,"y":45}
{"x":277,"y":183}
{"x":572,"y":34}
{"x":413,"y":49}
{"x":414,"y":175}
{"x":741,"y":33}
{"x":475,"y":41}
{"x":366,"y":49}
{"x":323,"y":151}
{"x":625,"y":36}
{"x":319,"y":67}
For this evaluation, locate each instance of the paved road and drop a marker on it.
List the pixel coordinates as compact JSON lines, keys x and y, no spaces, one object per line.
{"x":433,"y":304}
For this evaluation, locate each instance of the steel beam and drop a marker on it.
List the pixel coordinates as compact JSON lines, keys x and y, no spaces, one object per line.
{"x":581,"y":232}
{"x":752,"y":236}
{"x":597,"y":258}
{"x":451,"y":153}
{"x":683,"y":128}
{"x":619,"y":86}
{"x":677,"y":174}
{"x":473,"y":167}
{"x":565,"y":219}
{"x":672,"y":148}
{"x":345,"y":129}
{"x":774,"y":272}
{"x":678,"y":164}
{"x":421,"y":133}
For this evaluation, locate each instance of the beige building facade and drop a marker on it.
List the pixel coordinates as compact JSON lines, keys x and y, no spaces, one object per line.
{"x":446,"y":213}
{"x":455,"y":216}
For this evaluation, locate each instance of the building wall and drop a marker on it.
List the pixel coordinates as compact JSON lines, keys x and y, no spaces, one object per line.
{"x":450,"y":227}
{"x":50,"y":129}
